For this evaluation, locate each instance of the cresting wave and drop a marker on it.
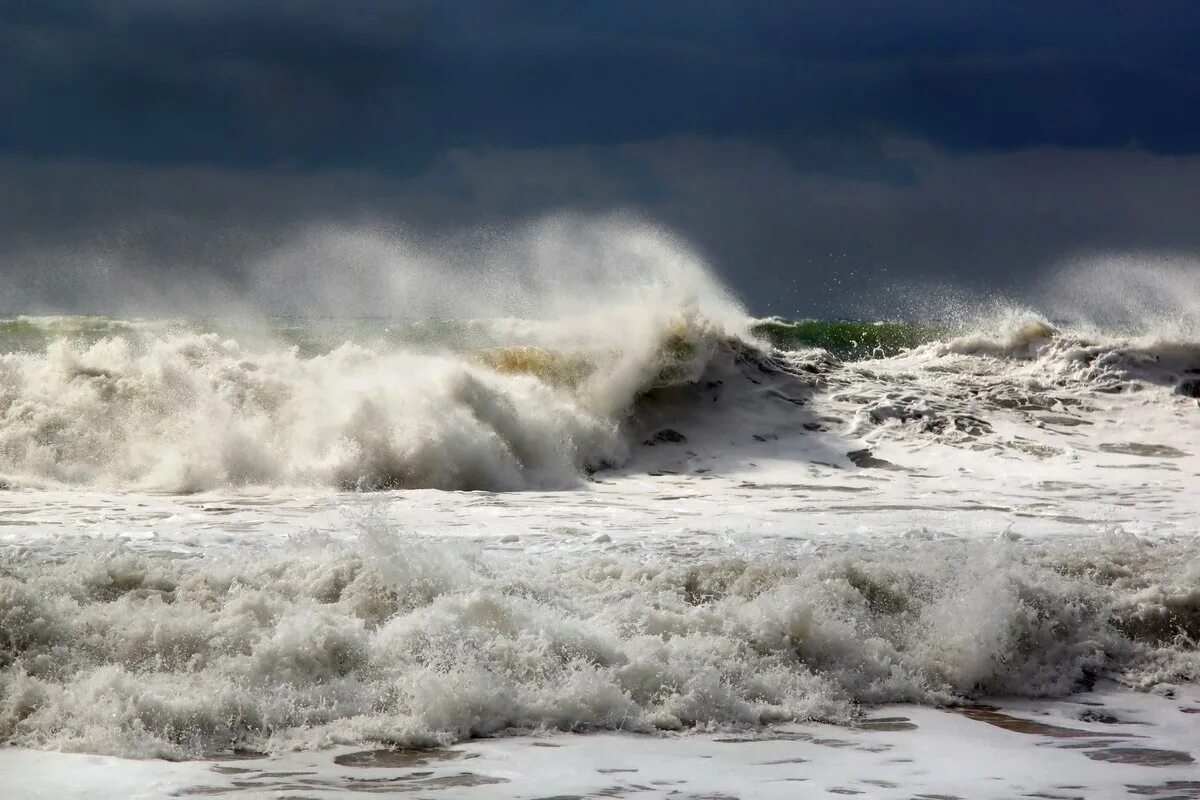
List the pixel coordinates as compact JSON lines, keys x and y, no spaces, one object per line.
{"x":550,"y":347}
{"x":402,"y":642}
{"x":603,"y":312}
{"x":196,"y":411}
{"x":191,"y":411}
{"x":495,"y":406}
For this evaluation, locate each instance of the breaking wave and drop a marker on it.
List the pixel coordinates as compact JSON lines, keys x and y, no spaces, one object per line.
{"x":400,"y":642}
{"x":591,"y":321}
{"x":611,"y":311}
{"x":195,"y":411}
{"x":1090,"y":359}
{"x":489,"y":405}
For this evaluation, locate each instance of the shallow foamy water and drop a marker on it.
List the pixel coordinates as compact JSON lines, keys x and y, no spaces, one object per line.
{"x":970,"y":570}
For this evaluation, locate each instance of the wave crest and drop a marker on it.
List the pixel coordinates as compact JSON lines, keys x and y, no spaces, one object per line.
{"x":190,"y":411}
{"x":195,"y":411}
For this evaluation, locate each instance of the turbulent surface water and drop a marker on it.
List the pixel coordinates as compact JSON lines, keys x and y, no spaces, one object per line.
{"x":229,"y":537}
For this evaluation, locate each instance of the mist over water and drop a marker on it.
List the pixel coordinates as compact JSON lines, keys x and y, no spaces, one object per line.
{"x":548,"y":267}
{"x":1146,"y":294}
{"x":574,"y":265}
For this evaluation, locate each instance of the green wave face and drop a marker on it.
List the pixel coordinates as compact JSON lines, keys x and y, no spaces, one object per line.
{"x":848,"y":341}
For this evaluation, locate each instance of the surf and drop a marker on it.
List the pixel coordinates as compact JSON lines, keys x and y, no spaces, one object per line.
{"x":401,"y":642}
{"x":493,"y":405}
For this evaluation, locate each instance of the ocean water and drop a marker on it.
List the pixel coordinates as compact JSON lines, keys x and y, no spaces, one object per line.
{"x":653,"y":548}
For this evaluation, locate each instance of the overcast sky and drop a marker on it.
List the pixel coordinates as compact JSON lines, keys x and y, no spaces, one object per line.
{"x":813,"y":152}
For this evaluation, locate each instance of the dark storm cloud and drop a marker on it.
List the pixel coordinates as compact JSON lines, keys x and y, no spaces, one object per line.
{"x":317,"y":83}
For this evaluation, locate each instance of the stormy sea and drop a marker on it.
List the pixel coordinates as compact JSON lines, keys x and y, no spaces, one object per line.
{"x":640,"y":544}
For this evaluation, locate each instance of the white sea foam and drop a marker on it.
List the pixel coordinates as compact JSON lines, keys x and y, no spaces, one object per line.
{"x":196,"y":411}
{"x":394,"y":641}
{"x":188,"y":411}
